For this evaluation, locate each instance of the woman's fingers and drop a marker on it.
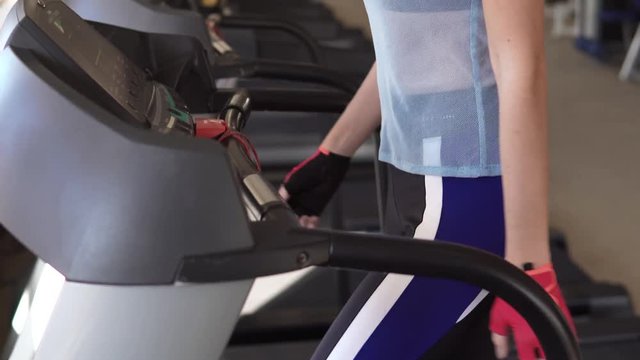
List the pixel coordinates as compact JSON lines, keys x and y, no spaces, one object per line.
{"x":500,"y":345}
{"x":313,"y":222}
{"x":284,"y":194}
{"x":309,"y":222}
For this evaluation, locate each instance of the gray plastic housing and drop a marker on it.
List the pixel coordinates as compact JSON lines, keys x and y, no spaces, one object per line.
{"x":101,"y":200}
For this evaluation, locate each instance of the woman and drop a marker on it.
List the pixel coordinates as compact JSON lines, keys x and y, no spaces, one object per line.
{"x":463,"y":167}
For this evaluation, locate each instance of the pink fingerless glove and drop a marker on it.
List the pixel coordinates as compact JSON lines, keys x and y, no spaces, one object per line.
{"x":505,"y":319}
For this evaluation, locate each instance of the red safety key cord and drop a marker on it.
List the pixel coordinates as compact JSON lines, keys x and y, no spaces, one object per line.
{"x":216,"y":129}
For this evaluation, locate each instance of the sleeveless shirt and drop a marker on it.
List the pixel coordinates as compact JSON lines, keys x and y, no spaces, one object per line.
{"x":437,"y":88}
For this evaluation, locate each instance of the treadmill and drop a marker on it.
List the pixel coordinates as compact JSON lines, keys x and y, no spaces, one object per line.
{"x":148,"y":237}
{"x":283,"y":140}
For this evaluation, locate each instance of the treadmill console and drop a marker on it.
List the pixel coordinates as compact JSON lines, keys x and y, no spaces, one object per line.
{"x":101,"y":69}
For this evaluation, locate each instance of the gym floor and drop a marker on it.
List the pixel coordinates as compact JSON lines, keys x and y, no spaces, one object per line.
{"x":595,"y":171}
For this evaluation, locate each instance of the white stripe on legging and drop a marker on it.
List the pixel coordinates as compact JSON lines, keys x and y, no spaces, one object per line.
{"x":481,"y":295}
{"x":392,"y":287}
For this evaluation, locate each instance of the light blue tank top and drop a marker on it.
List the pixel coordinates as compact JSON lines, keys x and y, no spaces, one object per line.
{"x":437,"y":88}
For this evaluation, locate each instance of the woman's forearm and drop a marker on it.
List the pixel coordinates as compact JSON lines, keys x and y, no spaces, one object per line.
{"x":358,"y":121}
{"x":516,"y":41}
{"x":523,"y":148}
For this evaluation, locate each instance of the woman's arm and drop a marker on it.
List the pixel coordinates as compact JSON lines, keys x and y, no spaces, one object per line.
{"x":358,"y":121}
{"x":310,"y":185}
{"x":516,"y":41}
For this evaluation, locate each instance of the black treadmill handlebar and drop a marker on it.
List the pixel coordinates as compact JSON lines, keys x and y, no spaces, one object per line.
{"x":263,"y":198}
{"x":472,"y":266}
{"x":263,"y":22}
{"x":300,"y":100}
{"x":235,"y":114}
{"x":284,"y":70}
{"x":282,"y":246}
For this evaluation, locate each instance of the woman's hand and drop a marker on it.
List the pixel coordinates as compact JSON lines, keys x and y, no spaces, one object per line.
{"x":505,"y":320}
{"x":310,"y":185}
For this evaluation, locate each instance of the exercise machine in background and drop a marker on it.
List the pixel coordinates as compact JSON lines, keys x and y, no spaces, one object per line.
{"x":605,"y":26}
{"x":631,"y":66}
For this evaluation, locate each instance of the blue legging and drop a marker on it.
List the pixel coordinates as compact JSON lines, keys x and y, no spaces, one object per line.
{"x":401,"y":317}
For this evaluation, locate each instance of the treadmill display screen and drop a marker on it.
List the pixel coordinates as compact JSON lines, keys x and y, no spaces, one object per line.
{"x":100,"y":60}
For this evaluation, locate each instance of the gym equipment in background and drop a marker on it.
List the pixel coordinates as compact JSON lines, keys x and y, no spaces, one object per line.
{"x":631,"y":67}
{"x":287,"y":30}
{"x":605,"y":25}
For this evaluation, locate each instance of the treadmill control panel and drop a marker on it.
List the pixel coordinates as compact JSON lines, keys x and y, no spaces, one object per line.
{"x":128,"y":90}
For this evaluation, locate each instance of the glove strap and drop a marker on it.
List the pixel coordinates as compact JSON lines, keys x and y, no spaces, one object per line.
{"x":545,"y":276}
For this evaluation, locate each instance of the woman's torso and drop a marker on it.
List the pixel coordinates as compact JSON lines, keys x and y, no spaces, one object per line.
{"x":437,"y":88}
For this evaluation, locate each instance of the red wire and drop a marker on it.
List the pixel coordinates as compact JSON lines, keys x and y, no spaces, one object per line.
{"x":246,"y":144}
{"x":227,"y":134}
